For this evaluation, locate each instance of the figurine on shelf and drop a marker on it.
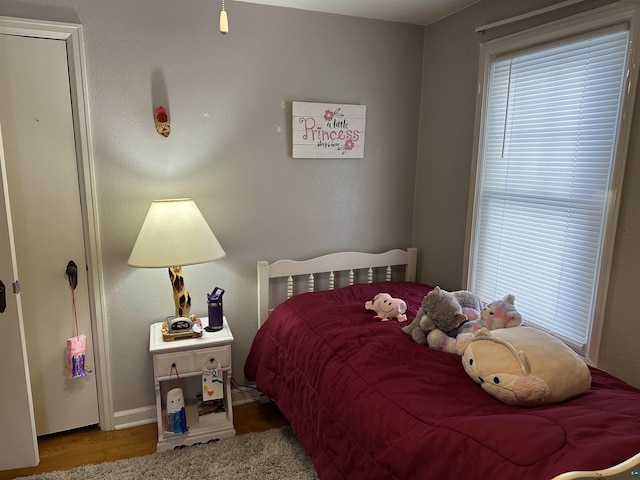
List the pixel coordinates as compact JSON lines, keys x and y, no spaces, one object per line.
{"x":176,"y":414}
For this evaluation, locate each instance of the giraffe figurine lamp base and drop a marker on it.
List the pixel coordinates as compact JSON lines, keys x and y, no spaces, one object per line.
{"x":181,"y":297}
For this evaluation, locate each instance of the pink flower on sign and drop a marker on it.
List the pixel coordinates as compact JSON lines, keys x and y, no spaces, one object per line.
{"x":328,"y":115}
{"x":349,"y":145}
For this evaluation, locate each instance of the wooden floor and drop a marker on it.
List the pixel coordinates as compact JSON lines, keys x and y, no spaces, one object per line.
{"x":72,"y":449}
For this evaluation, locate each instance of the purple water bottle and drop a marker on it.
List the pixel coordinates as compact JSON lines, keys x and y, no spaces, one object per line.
{"x":214,"y":299}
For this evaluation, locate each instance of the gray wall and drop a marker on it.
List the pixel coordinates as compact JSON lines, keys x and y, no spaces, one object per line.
{"x":450,"y":71}
{"x":229,"y":100}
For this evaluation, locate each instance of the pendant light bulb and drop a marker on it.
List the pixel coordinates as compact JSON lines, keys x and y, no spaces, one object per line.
{"x":224,"y":21}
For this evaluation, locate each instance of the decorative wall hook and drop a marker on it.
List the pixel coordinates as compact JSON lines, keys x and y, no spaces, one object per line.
{"x":72,"y":273}
{"x":162,"y":122}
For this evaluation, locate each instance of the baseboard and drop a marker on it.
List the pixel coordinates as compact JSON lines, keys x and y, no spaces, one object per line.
{"x":134,"y":417}
{"x":145,"y":415}
{"x":241,"y":395}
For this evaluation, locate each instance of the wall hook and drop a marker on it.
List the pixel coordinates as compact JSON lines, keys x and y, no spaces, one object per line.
{"x":72,"y":274}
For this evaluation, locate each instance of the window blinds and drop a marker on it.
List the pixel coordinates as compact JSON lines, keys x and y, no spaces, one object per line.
{"x":545,"y":167}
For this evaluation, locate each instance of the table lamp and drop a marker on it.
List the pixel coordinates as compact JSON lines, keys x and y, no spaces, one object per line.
{"x":174,"y":234}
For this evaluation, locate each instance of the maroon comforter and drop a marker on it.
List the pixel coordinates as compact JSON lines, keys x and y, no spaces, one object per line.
{"x":369,"y":403}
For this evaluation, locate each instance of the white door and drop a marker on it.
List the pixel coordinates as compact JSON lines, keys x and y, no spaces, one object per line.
{"x":20,"y":447}
{"x":40,"y":151}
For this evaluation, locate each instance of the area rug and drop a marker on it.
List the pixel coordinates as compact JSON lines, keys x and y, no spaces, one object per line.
{"x":275,"y":454}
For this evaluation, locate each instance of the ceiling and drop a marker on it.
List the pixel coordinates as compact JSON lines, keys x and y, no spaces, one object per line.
{"x":420,"y":12}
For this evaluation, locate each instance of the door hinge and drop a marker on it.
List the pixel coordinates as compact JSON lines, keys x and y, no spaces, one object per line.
{"x":16,"y":287}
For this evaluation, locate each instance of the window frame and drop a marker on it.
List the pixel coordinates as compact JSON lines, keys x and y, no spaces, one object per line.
{"x":597,"y":19}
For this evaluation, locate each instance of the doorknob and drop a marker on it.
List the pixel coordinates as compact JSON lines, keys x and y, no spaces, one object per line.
{"x":3,"y":297}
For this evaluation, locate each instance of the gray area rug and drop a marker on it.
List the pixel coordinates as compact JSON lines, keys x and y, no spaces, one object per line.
{"x":274,"y":454}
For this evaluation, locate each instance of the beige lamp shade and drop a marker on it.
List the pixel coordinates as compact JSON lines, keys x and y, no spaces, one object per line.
{"x":174,"y":233}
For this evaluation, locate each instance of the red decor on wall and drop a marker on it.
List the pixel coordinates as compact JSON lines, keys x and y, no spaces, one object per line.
{"x":162,"y":122}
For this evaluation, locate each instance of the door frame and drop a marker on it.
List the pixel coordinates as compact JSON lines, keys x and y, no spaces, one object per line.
{"x":72,"y":35}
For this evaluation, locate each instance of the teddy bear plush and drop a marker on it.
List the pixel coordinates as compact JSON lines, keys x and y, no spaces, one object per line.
{"x":525,"y":367}
{"x":443,"y":310}
{"x":497,"y":314}
{"x":387,"y":307}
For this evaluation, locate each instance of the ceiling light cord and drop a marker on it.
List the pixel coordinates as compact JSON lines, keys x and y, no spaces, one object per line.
{"x":224,"y":21}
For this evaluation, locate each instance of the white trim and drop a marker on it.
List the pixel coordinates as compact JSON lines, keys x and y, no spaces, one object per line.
{"x":617,"y":180}
{"x":72,"y":35}
{"x":625,"y":10}
{"x":134,"y":417}
{"x":242,"y":395}
{"x":524,"y":16}
{"x":146,"y":415}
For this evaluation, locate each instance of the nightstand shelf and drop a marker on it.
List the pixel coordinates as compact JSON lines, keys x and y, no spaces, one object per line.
{"x":189,"y":356}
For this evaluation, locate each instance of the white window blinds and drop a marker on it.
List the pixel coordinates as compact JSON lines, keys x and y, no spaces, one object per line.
{"x":550,"y":128}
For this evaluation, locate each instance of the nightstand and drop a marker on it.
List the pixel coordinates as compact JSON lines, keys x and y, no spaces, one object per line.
{"x":190,"y":356}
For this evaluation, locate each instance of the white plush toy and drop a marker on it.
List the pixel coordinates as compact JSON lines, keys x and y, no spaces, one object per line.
{"x":525,"y":367}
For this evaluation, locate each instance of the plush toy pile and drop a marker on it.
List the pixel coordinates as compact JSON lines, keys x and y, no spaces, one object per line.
{"x":444,"y":311}
{"x":447,"y":321}
{"x":517,"y":365}
{"x":498,"y":314}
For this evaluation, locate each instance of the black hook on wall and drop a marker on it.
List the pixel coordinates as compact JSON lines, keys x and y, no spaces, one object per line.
{"x":3,"y":297}
{"x":72,"y":273}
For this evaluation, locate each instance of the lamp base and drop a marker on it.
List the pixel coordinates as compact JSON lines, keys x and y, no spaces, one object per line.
{"x":181,"y":297}
{"x":213,"y":329}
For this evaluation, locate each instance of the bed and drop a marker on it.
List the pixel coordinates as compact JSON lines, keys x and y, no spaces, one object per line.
{"x":369,"y":403}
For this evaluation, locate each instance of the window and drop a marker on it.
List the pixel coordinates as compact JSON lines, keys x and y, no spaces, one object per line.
{"x":551,"y":149}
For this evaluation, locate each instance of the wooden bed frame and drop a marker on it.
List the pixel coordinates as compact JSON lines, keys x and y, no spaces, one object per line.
{"x":331,"y":265}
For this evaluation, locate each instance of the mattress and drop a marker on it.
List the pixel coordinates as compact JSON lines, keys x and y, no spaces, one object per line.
{"x":369,"y":403}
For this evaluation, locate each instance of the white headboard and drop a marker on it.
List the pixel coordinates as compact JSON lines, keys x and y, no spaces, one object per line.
{"x":332,"y":264}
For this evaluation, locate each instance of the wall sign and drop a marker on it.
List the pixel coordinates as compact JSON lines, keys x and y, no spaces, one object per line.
{"x":328,"y":130}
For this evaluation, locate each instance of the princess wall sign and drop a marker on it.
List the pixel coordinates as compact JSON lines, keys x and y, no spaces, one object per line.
{"x":328,"y":130}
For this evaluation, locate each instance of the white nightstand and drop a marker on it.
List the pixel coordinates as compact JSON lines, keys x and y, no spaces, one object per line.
{"x":189,"y":357}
